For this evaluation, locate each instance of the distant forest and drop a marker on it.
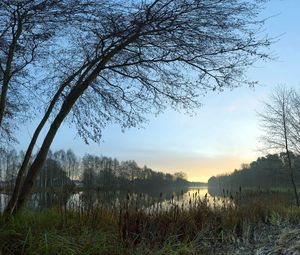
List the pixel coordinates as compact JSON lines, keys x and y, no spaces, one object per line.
{"x":64,"y":169}
{"x":266,"y":172}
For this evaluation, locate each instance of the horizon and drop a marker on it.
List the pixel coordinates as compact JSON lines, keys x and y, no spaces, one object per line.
{"x":221,"y":135}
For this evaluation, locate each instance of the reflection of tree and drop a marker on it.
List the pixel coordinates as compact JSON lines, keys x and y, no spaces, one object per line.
{"x":100,"y":173}
{"x":105,"y":180}
{"x":41,"y":200}
{"x":139,"y":199}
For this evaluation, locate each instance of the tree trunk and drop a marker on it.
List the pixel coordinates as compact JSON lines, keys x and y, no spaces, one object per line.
{"x":288,"y":153}
{"x":12,"y":202}
{"x":7,"y":73}
{"x":41,"y":156}
{"x":294,"y":186}
{"x":292,"y":177}
{"x":66,"y":107}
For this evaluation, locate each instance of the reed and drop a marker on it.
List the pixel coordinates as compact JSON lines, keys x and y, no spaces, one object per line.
{"x":198,"y":227}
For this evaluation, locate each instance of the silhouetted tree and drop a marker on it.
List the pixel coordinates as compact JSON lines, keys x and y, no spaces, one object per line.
{"x":276,"y":121}
{"x":72,"y":163}
{"x":53,"y":175}
{"x":264,"y":173}
{"x":132,"y":58}
{"x":98,"y":173}
{"x":29,"y":33}
{"x":180,"y":175}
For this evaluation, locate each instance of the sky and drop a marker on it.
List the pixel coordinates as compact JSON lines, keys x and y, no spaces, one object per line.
{"x":219,"y":136}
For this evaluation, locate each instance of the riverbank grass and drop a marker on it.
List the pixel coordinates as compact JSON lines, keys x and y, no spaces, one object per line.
{"x":201,"y":229}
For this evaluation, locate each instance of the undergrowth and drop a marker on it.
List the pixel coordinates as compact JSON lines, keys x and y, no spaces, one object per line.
{"x":199,"y":229}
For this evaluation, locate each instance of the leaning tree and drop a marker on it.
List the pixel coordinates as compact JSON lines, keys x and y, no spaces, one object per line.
{"x":120,"y":60}
{"x":29,"y":34}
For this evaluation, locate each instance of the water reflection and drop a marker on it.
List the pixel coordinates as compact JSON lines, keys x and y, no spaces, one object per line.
{"x":149,"y":201}
{"x":42,"y":200}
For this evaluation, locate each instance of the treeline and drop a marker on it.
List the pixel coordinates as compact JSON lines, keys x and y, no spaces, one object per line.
{"x":104,"y":173}
{"x":65,"y":169}
{"x":266,"y":172}
{"x":59,"y":169}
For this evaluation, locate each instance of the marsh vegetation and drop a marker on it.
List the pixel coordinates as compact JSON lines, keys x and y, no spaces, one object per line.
{"x":205,"y":227}
{"x":93,"y":64}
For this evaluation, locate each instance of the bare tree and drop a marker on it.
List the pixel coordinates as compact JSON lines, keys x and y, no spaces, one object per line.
{"x":20,"y":35}
{"x":278,"y":123}
{"x":135,"y":58}
{"x":31,"y":30}
{"x":180,"y":175}
{"x":28,"y":29}
{"x":294,"y":120}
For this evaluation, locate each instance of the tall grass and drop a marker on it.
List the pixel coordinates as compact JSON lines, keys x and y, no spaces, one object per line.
{"x":199,"y":227}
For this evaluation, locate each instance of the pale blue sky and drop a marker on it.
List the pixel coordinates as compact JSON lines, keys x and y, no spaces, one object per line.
{"x":222,"y":134}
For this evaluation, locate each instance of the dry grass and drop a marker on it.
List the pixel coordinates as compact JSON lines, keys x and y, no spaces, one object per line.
{"x":203,"y":228}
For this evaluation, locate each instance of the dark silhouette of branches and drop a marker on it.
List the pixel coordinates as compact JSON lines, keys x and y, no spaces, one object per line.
{"x":139,"y":58}
{"x":278,"y":122}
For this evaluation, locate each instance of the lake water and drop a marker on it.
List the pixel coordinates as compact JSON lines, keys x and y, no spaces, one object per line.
{"x":114,"y":199}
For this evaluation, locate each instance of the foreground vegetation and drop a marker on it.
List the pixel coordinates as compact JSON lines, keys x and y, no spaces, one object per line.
{"x":204,"y":227}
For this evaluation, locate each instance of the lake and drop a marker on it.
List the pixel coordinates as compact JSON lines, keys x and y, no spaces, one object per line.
{"x":150,"y":200}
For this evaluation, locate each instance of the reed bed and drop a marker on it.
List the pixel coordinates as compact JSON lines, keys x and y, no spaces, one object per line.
{"x":199,"y":226}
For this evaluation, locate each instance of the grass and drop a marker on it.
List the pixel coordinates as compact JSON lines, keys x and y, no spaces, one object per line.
{"x":201,"y":229}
